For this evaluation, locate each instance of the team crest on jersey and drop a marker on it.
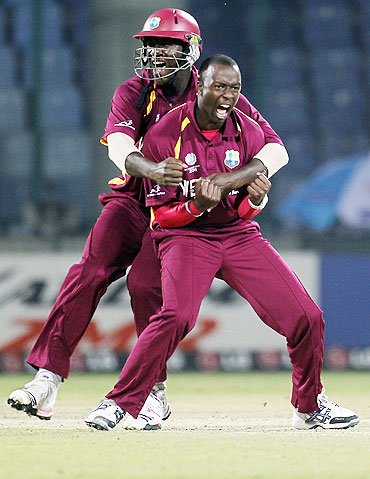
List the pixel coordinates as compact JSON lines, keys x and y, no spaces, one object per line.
{"x":154,"y":22}
{"x":191,"y":159}
{"x":232,"y":158}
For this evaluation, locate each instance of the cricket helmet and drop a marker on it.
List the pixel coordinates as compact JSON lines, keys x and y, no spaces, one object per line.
{"x":170,"y":23}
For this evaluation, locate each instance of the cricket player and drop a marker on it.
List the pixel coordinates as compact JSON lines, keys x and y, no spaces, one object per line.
{"x":198,"y":235}
{"x":165,"y":77}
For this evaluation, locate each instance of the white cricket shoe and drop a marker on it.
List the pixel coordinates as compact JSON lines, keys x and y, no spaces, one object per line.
{"x":329,"y":416}
{"x":159,"y":390}
{"x":106,"y":416}
{"x":150,"y":416}
{"x":38,"y":397}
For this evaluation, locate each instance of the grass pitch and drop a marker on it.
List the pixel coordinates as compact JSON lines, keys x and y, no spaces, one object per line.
{"x":227,"y":426}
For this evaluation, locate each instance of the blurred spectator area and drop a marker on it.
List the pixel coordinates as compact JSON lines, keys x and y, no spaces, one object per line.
{"x":305,"y":66}
{"x":44,"y":125}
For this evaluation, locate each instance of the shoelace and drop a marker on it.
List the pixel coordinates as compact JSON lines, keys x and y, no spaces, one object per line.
{"x":323,"y":398}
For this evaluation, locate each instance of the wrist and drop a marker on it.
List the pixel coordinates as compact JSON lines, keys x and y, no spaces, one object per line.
{"x":261,"y":205}
{"x":192,"y":209}
{"x":262,"y":166}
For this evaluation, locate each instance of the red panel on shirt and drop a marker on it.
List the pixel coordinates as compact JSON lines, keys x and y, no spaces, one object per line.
{"x":210,"y":134}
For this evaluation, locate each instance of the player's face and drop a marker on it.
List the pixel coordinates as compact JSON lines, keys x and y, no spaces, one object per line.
{"x":218,"y":93}
{"x":164,"y":56}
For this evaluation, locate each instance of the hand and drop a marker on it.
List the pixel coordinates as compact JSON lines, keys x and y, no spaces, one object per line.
{"x":168,"y":172}
{"x":207,"y":195}
{"x":259,"y":188}
{"x":234,"y":180}
{"x":223,"y":180}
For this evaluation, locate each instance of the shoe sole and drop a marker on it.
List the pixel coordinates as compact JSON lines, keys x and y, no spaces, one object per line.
{"x":99,"y":427}
{"x":148,"y":427}
{"x":102,"y":424}
{"x":305,"y":427}
{"x":27,"y":408}
{"x":44,"y":414}
{"x":167,"y":413}
{"x":339,"y":426}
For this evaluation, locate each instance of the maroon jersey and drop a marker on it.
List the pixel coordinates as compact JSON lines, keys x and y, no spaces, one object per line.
{"x":138,"y":104}
{"x":178,"y":135}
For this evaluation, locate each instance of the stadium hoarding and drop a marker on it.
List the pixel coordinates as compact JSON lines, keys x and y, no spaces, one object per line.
{"x":228,"y":335}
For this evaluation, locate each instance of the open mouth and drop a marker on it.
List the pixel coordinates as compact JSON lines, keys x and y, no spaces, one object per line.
{"x":223,"y":111}
{"x":159,"y":65}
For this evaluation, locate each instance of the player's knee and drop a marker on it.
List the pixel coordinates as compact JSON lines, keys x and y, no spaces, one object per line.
{"x":317,"y":322}
{"x":173,"y":322}
{"x":140,"y":287}
{"x":184,"y":324}
{"x":309,"y":323}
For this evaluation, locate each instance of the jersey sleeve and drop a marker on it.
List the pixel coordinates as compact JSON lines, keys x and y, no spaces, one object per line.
{"x":248,"y":210}
{"x":124,"y":117}
{"x":246,"y":107}
{"x":175,"y":214}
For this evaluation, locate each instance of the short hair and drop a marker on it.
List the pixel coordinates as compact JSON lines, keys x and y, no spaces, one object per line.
{"x":218,"y":59}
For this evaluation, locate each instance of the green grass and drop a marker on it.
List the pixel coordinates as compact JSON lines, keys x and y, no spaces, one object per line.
{"x":222,"y":426}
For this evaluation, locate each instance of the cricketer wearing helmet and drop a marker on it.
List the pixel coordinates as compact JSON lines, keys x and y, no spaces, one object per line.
{"x":171,"y":43}
{"x":200,"y":234}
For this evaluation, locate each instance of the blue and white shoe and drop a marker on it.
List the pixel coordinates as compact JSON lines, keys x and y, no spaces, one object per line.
{"x":329,"y":416}
{"x":106,"y":416}
{"x":150,"y":416}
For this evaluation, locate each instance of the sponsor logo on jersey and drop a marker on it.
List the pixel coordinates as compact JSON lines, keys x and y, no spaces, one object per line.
{"x":232,"y":158}
{"x":155,"y":191}
{"x":154,"y":22}
{"x":188,"y":187}
{"x":127,"y":123}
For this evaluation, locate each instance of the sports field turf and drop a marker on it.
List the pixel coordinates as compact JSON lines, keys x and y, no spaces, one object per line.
{"x":226,"y":426}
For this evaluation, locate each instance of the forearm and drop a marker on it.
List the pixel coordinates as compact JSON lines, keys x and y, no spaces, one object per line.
{"x":271,"y":158}
{"x":139,"y":166}
{"x":234,"y":180}
{"x":123,"y":152}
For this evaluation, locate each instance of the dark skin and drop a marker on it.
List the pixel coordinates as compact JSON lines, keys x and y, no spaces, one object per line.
{"x":259,"y":188}
{"x":218,"y":92}
{"x":208,"y":195}
{"x":169,"y":171}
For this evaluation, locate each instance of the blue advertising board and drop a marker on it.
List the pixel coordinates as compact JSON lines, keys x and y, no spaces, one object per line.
{"x":345,"y":299}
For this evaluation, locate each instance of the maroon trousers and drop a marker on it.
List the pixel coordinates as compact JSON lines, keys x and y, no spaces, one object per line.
{"x":249,"y":264}
{"x":111,"y":247}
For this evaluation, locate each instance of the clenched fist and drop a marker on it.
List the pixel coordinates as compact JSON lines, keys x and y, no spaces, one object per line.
{"x":258,"y":188}
{"x":168,"y":172}
{"x":207,"y":195}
